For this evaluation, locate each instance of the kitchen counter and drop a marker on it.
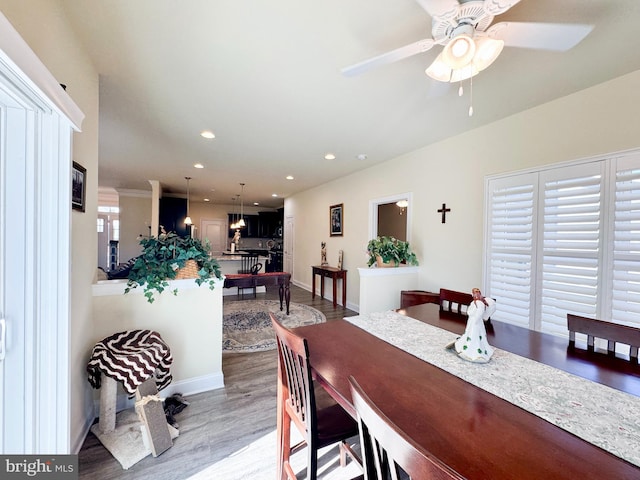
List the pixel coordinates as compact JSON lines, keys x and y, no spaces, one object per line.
{"x":237,"y":255}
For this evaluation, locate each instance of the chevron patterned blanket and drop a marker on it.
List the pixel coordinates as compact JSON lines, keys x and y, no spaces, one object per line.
{"x":131,"y":357}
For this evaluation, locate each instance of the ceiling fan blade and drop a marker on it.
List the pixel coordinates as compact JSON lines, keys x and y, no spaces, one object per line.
{"x":440,"y":9}
{"x":540,"y":36}
{"x":389,"y":57}
{"x":496,"y":7}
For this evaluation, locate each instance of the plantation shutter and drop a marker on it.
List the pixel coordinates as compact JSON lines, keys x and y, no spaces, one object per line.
{"x":510,"y":254}
{"x":572,"y":222}
{"x":625,"y":295}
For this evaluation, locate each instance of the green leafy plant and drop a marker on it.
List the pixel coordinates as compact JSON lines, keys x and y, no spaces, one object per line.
{"x":163,"y":256}
{"x":390,"y":250}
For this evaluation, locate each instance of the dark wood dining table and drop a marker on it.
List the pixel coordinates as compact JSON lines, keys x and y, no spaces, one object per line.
{"x":248,"y":280}
{"x":476,"y":433}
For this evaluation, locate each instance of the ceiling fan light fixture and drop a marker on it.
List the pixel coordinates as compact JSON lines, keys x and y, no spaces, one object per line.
{"x":464,"y":73}
{"x":459,"y":52}
{"x":487,"y":51}
{"x":438,"y":70}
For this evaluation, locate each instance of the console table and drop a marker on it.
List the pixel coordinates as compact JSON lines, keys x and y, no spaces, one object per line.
{"x":335,"y":274}
{"x":247,"y":280}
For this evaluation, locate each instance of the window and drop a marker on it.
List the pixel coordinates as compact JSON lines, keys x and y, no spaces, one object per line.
{"x":115,"y":229}
{"x":565,"y":239}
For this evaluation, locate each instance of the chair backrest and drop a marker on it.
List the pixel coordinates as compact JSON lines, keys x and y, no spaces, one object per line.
{"x":454,"y":302}
{"x":386,"y":449}
{"x":611,"y":332}
{"x":295,"y":377}
{"x":408,"y":298}
{"x":248,"y":263}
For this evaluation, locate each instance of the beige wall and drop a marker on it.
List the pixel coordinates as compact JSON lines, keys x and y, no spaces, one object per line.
{"x":43,"y":26}
{"x":135,"y":218}
{"x":189,"y":322}
{"x":599,"y":120}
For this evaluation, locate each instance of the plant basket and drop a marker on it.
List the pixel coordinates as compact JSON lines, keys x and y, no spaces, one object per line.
{"x":190,"y":270}
{"x":382,"y":264}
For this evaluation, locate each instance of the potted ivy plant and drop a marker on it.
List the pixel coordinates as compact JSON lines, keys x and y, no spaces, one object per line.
{"x":166,"y":258}
{"x":390,"y":252}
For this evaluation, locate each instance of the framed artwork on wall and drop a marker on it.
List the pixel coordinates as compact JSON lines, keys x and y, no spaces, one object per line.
{"x":78,"y":186}
{"x":336,"y":220}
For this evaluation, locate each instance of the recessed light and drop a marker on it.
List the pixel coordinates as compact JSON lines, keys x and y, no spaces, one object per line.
{"x":330,"y":156}
{"x":198,"y":165}
{"x":289,"y":177}
{"x":206,"y":200}
{"x":256,"y":203}
{"x":207,"y":134}
{"x":274,"y":194}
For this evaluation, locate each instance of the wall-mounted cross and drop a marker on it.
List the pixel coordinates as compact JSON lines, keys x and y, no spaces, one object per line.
{"x":444,"y":211}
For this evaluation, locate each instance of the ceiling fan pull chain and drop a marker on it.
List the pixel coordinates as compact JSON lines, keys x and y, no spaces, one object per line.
{"x":460,"y":89}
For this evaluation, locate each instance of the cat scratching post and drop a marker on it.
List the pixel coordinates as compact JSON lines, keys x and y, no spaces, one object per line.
{"x":139,"y":360}
{"x":108,"y":395}
{"x":151,"y":413}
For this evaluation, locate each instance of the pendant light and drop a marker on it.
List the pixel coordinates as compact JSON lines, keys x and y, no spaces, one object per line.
{"x":234,"y":224}
{"x":241,"y":221}
{"x":187,"y":221}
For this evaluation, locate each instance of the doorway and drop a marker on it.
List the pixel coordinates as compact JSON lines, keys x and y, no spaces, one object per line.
{"x":391,"y":216}
{"x":289,"y":228}
{"x":216,"y":232}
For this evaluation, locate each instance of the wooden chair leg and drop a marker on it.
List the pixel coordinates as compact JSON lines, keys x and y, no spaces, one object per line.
{"x":312,"y":463}
{"x":345,"y":449}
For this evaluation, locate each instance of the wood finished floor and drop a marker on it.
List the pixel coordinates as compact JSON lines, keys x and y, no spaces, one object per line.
{"x":219,"y":424}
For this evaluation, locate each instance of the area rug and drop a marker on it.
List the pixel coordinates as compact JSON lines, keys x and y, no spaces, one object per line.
{"x":246,"y":325}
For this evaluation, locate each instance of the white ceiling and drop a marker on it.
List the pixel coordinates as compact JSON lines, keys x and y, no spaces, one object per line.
{"x":264,"y":75}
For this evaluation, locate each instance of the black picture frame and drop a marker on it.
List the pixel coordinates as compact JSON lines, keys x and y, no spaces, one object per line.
{"x":336,"y":220}
{"x":78,"y":187}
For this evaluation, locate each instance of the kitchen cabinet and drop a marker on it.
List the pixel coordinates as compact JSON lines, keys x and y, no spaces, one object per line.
{"x":270,"y":224}
{"x":172,"y":213}
{"x":251,"y":228}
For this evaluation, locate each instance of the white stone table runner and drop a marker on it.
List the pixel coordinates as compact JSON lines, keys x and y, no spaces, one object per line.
{"x":599,"y":414}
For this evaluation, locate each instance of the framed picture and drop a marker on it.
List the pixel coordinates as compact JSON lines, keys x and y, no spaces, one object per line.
{"x":78,"y":186}
{"x":336,"y":220}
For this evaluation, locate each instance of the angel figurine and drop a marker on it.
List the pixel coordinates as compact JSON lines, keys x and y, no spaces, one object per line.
{"x":473,"y":344}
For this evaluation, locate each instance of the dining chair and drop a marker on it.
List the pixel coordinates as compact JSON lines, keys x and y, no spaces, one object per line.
{"x":249,"y":265}
{"x":409,"y":298}
{"x":611,"y":332}
{"x":297,"y":404}
{"x":454,"y":302}
{"x":387,"y":452}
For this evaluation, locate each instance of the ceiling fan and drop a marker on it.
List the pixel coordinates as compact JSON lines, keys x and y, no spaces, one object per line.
{"x":470,"y":42}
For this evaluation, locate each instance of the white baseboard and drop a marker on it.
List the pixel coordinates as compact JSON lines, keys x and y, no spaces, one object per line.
{"x":190,"y":386}
{"x":76,"y":443}
{"x":350,"y":306}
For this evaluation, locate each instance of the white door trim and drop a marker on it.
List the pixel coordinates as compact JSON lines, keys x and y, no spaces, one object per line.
{"x":35,"y":235}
